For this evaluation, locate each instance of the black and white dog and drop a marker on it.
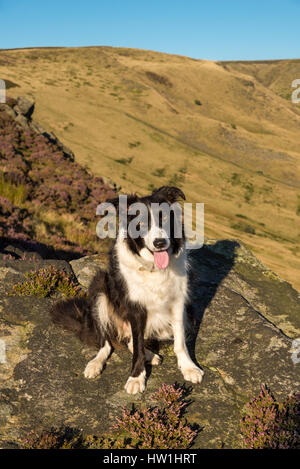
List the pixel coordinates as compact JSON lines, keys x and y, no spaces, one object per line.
{"x":141,"y":296}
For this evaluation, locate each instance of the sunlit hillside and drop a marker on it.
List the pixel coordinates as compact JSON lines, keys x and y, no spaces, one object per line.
{"x":226,"y":133}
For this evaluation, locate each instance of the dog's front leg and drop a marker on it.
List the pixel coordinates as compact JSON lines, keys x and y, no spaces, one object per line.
{"x":190,"y":371}
{"x":137,"y":379}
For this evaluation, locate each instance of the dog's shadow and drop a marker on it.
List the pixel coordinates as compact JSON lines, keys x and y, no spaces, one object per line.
{"x":208,"y":267}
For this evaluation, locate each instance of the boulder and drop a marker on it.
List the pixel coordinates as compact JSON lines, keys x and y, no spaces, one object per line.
{"x":22,"y":121}
{"x":24,"y":106}
{"x":9,"y":110}
{"x":86,"y":267}
{"x":244,"y":318}
{"x":21,"y":111}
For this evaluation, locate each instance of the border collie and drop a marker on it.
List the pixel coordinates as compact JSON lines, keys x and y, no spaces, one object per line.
{"x":141,"y":297}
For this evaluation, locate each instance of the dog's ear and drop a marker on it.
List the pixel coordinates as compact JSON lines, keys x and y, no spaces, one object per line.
{"x":114,"y":202}
{"x":171,"y":193}
{"x":131,"y":198}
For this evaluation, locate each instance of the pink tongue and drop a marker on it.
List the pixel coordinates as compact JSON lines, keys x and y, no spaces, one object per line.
{"x":161,"y":259}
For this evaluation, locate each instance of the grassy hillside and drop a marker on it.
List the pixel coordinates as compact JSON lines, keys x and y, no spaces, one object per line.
{"x":277,"y":75}
{"x":224,"y":132}
{"x":47,"y":201}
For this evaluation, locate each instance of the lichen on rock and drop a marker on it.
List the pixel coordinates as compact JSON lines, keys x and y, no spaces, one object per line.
{"x":240,"y":341}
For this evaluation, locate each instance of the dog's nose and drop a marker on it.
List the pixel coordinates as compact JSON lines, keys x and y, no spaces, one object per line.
{"x":160,"y":243}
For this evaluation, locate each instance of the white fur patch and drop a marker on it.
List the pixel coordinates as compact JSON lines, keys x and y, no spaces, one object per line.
{"x":155,"y":232}
{"x":135,"y":385}
{"x":193,"y":374}
{"x":163,"y":293}
{"x":102,"y":312}
{"x":155,"y":289}
{"x":153,"y":358}
{"x":95,"y":366}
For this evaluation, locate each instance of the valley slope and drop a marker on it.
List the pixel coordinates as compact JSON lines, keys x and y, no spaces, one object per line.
{"x":226,"y":133}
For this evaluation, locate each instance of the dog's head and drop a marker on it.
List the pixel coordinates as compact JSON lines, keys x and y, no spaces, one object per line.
{"x":152,"y":225}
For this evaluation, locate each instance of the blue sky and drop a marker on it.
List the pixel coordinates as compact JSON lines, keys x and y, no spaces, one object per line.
{"x":212,"y":29}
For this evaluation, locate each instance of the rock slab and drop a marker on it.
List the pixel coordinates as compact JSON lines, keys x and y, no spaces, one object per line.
{"x":245,"y":318}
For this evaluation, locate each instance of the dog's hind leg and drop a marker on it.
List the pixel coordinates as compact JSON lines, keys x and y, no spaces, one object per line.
{"x":151,"y":358}
{"x":95,"y":366}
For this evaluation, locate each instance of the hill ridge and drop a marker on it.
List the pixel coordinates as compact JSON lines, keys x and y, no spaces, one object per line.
{"x":223,"y":135}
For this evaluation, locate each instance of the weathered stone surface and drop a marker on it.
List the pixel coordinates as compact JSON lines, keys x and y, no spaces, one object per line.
{"x":37,"y":127}
{"x":21,"y":121}
{"x":9,"y":110}
{"x":24,"y":106}
{"x":238,"y":305}
{"x":11,"y":251}
{"x":21,"y":110}
{"x":86,"y":267}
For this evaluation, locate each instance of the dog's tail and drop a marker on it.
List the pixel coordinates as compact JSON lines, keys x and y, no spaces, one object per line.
{"x":75,"y":315}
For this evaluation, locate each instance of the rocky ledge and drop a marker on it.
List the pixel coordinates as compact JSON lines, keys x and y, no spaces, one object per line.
{"x":245,"y":318}
{"x":21,"y":111}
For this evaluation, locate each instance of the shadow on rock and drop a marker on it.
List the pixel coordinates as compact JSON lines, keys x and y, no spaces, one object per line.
{"x":208,"y":267}
{"x":12,"y":248}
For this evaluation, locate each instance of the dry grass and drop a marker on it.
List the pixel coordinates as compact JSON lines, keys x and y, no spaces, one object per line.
{"x":114,"y":97}
{"x":49,"y":221}
{"x":16,"y":193}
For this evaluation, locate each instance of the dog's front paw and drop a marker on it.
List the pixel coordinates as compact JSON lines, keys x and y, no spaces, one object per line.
{"x":135,"y":385}
{"x":193,"y":374}
{"x":92,"y":369}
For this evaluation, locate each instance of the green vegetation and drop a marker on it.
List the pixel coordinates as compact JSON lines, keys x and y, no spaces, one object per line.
{"x":159,"y":172}
{"x":266,"y":424}
{"x":178,"y":178}
{"x":162,"y":80}
{"x":134,"y":144}
{"x":249,"y":191}
{"x":125,"y":161}
{"x":161,"y":109}
{"x":269,"y":424}
{"x":16,"y":193}
{"x":10,"y":84}
{"x":160,"y":427}
{"x":245,"y":227}
{"x":51,"y":82}
{"x":46,"y":282}
{"x":183,"y":169}
{"x":287,"y":95}
{"x":236,"y":179}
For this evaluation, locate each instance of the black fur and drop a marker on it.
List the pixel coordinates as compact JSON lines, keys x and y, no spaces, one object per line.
{"x":75,"y":315}
{"x":80,"y":316}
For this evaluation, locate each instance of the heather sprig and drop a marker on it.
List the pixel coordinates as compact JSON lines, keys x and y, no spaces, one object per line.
{"x":269,"y":424}
{"x":45,"y":282}
{"x":161,"y":426}
{"x":158,"y":427}
{"x":47,"y":440}
{"x":37,"y":177}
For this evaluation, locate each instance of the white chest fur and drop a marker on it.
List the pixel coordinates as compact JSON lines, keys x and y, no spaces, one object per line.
{"x":158,"y":290}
